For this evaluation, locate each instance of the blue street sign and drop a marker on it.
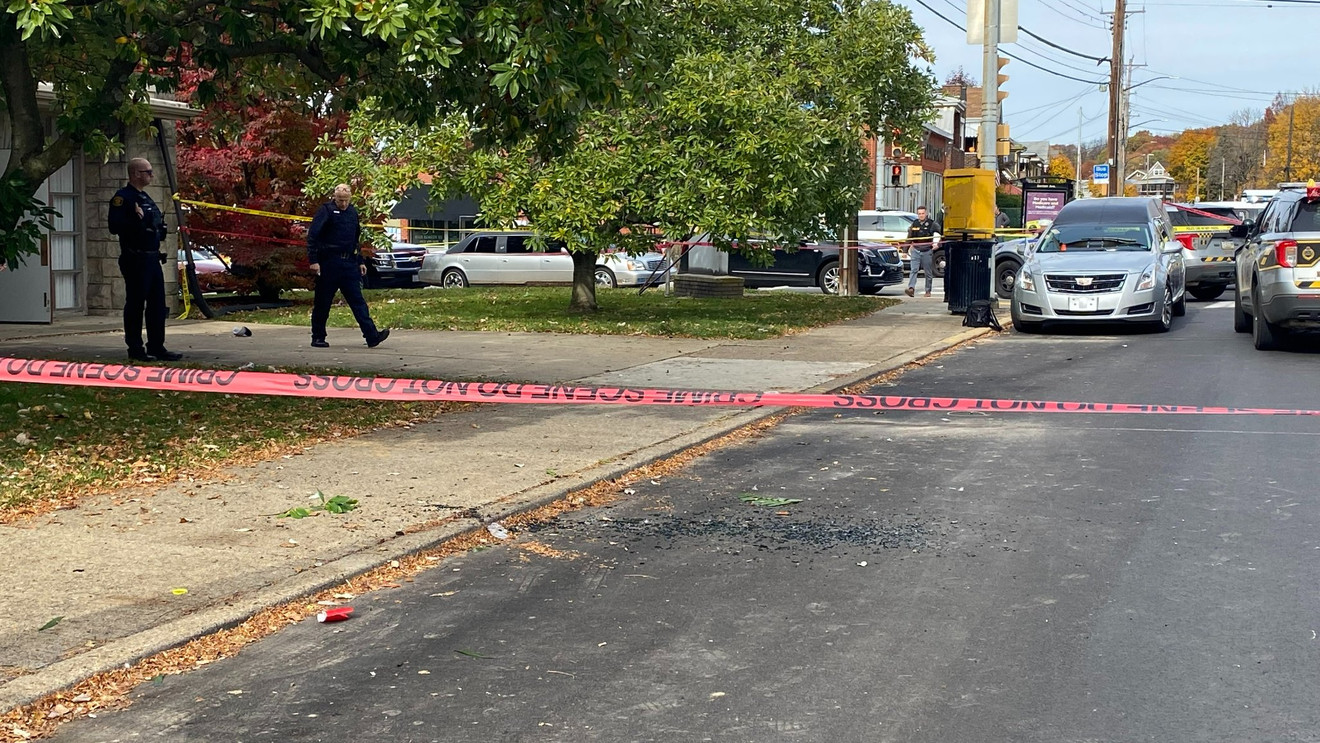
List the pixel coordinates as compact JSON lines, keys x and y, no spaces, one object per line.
{"x":1100,"y":173}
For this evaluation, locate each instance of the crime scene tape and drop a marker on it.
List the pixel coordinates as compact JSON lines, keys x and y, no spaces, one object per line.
{"x":1210,"y":215}
{"x":128,"y":376}
{"x":245,"y":235}
{"x":253,"y":212}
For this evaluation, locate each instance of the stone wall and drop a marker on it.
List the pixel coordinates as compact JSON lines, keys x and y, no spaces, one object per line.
{"x":105,"y":285}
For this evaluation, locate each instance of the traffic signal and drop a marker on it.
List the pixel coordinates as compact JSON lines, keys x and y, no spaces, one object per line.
{"x":1001,"y":78}
{"x":896,"y":175}
{"x":1002,"y":140}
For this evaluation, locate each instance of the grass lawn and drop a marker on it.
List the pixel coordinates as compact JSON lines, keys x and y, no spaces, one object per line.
{"x":622,"y":312}
{"x":62,"y":443}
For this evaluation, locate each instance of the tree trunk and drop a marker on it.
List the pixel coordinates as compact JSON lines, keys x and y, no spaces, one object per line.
{"x":584,"y":282}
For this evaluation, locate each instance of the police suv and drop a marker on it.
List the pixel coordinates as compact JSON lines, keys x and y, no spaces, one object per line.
{"x":1278,"y":268}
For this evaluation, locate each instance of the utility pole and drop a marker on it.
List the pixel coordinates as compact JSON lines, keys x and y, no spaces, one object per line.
{"x":988,"y":139}
{"x":1223,"y":170}
{"x":1124,"y":118}
{"x":1115,"y":99}
{"x":1077,"y":186}
{"x":1287,"y":166}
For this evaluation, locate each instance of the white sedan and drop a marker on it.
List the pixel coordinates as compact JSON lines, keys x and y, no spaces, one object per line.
{"x":485,"y":258}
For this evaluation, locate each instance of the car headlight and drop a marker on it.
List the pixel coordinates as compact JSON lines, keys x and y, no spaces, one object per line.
{"x":636,"y":265}
{"x":1026,"y":281}
{"x":1147,"y":279}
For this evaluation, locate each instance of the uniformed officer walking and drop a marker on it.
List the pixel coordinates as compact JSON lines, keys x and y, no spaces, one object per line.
{"x":333,"y":249}
{"x":923,"y":236}
{"x":138,"y":222}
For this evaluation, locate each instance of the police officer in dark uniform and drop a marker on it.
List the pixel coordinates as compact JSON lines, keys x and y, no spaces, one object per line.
{"x":333,"y":243}
{"x":138,"y":222}
{"x":923,"y":236}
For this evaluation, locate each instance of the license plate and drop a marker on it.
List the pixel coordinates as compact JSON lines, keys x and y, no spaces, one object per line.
{"x":1083,"y":304}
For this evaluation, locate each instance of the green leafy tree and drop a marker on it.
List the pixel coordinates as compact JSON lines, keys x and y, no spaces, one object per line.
{"x":517,"y":66}
{"x":754,"y":129}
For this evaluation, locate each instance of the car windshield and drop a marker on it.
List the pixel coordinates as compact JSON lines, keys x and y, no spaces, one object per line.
{"x":1204,"y":216}
{"x":1095,"y":237}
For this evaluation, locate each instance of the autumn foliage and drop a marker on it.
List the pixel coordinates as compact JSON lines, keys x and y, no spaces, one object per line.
{"x":250,"y":152}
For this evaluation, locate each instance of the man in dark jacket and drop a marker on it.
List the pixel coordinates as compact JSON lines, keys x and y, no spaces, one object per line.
{"x":333,"y":249}
{"x":923,"y":236}
{"x":138,"y":222}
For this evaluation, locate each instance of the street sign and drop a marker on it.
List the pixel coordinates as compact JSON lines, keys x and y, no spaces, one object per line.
{"x":1100,"y":173}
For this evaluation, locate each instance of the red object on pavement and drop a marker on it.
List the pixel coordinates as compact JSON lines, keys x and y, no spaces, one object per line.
{"x":337,"y":614}
{"x":1186,"y":239}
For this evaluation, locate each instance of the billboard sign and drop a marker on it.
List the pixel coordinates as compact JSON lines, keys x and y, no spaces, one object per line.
{"x":1042,"y":204}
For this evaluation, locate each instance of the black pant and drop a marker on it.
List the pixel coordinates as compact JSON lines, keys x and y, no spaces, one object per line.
{"x":144,"y":284}
{"x":340,"y":275}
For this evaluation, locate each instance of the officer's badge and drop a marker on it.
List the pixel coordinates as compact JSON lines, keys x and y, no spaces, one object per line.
{"x":117,"y":201}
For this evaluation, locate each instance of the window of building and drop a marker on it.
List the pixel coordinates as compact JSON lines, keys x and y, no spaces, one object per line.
{"x":66,"y":257}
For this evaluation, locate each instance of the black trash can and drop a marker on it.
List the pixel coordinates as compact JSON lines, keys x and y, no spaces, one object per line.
{"x":967,"y":275}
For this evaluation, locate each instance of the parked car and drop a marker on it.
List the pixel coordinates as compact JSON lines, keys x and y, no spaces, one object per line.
{"x":1008,"y":258}
{"x":884,"y":225}
{"x":811,"y":264}
{"x":484,"y":258}
{"x":1278,"y":269}
{"x":397,"y":266}
{"x":1103,"y":260}
{"x":211,"y":270}
{"x":1208,"y":248}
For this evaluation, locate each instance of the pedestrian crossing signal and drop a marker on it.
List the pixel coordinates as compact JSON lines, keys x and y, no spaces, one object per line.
{"x":895,"y":175}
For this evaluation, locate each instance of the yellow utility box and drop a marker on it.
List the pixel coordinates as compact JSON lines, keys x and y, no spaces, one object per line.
{"x":969,"y":200}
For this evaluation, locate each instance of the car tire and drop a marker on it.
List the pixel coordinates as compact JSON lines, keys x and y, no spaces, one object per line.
{"x":1180,"y":306}
{"x":1006,"y":277}
{"x":828,"y":277}
{"x":1165,"y":321}
{"x":1207,"y":293}
{"x":453,"y":278}
{"x":1241,"y":320}
{"x":938,"y":263}
{"x":1265,"y":335}
{"x":605,"y":278}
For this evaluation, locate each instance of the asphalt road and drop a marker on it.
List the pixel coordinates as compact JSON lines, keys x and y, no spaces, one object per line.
{"x":945,"y":577}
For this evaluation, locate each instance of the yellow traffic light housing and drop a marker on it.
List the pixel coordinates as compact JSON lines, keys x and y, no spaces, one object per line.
{"x":1001,"y":78}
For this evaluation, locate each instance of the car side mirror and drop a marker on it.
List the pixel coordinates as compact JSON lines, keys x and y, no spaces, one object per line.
{"x":1241,"y":230}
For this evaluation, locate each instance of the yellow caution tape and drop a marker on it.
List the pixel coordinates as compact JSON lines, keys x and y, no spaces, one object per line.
{"x":253,"y":212}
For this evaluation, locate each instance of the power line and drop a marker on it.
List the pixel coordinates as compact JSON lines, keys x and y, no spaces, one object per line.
{"x":1047,"y":42}
{"x":1049,"y":58}
{"x":1074,"y":19}
{"x":1085,"y":12}
{"x":1043,"y":40}
{"x":960,"y":27}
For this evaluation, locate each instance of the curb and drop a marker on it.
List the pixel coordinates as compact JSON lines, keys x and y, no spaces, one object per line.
{"x":124,"y":652}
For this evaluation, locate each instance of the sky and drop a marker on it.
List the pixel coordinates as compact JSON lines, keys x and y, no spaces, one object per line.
{"x":1205,"y":60}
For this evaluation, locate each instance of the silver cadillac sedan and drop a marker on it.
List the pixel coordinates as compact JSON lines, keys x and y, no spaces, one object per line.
{"x":1103,"y":260}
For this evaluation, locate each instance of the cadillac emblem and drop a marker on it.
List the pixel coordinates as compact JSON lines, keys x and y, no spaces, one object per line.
{"x":1083,"y":280}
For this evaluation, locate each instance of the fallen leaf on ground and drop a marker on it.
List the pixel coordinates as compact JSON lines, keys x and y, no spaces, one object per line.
{"x":50,"y":624}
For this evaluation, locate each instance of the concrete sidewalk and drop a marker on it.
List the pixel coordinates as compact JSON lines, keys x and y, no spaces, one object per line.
{"x":110,"y":566}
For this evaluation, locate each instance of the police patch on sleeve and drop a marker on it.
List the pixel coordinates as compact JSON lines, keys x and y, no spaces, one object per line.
{"x":117,"y":201}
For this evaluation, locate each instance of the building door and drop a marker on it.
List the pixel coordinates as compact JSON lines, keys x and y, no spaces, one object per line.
{"x":27,"y":294}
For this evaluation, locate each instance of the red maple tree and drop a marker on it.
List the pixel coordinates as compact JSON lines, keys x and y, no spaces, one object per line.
{"x":249,"y":151}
